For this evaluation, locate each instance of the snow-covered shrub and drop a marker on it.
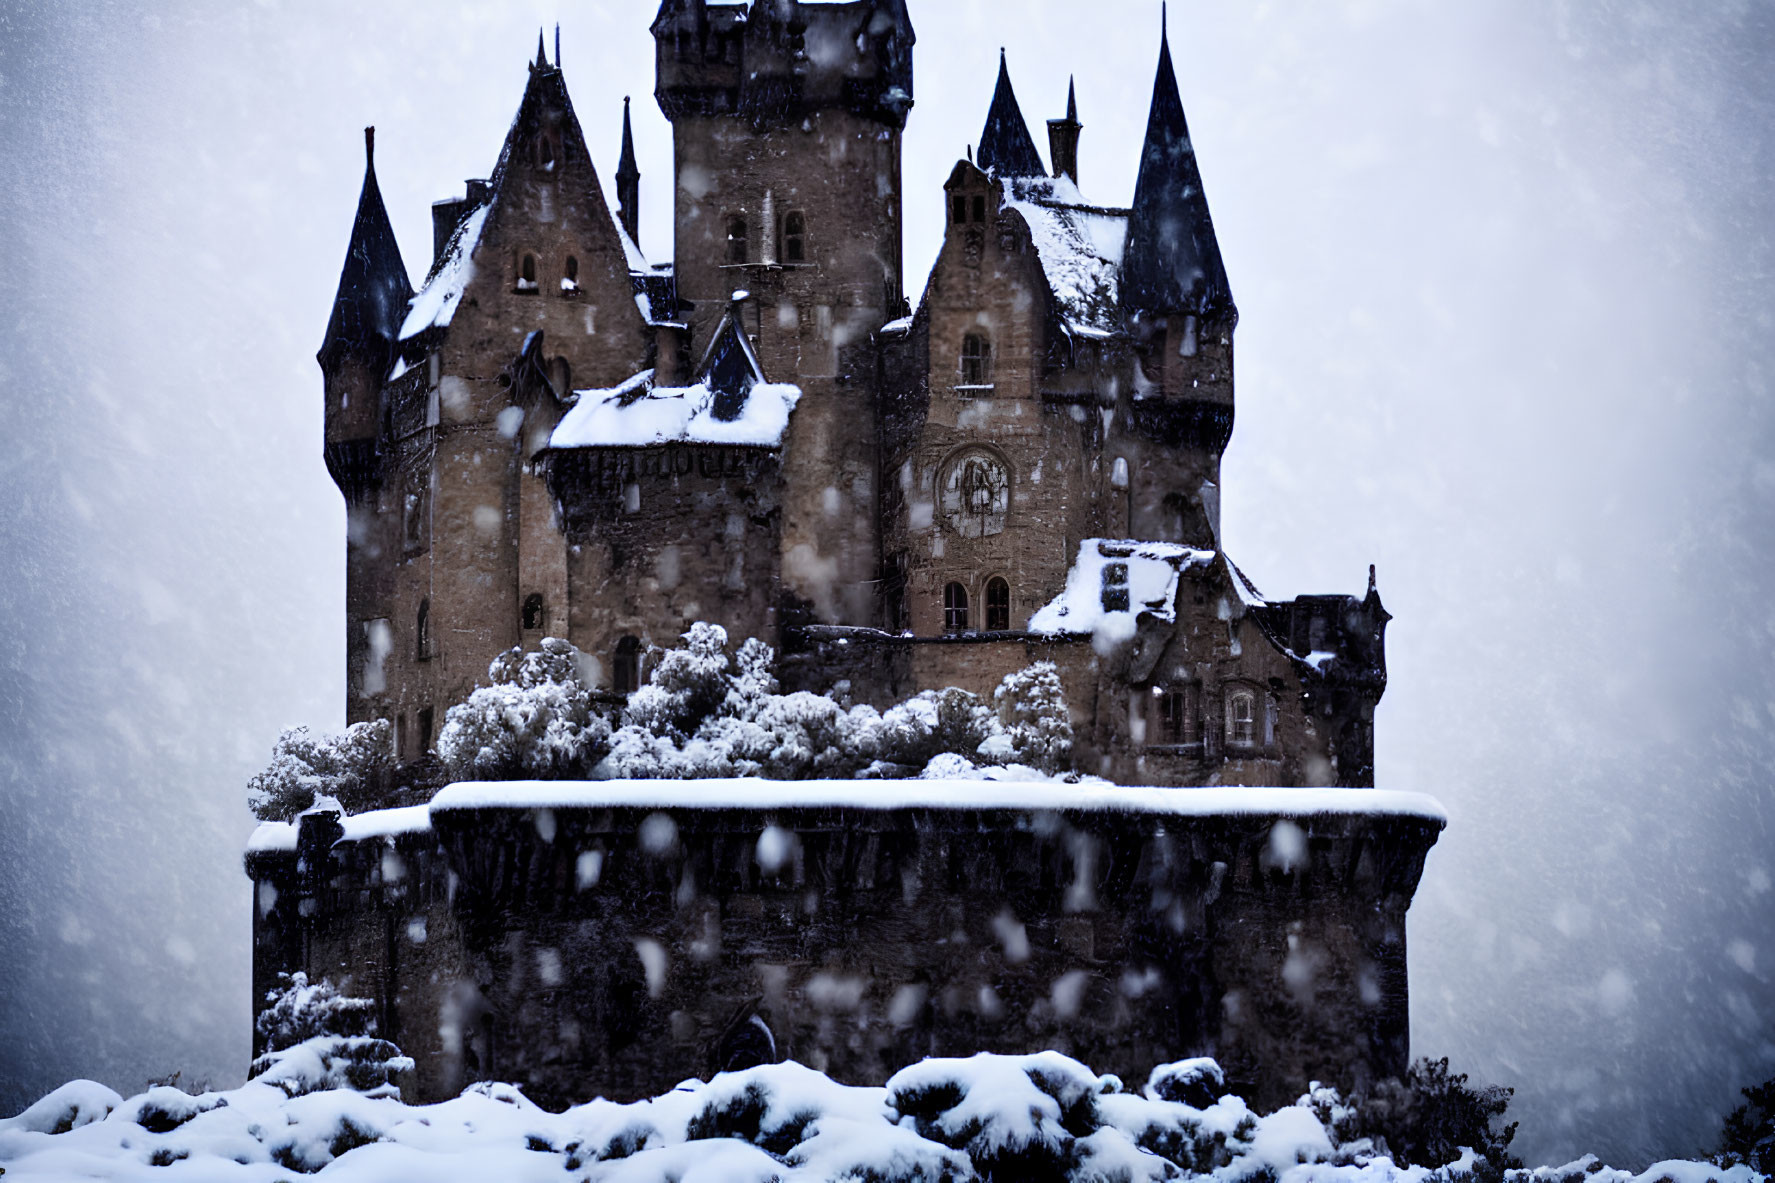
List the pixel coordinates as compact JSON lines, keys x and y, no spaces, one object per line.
{"x":75,"y":1104}
{"x":1749,"y":1136}
{"x":299,"y":1011}
{"x":354,"y":768}
{"x":685,"y":686}
{"x":1032,"y":706}
{"x":534,"y":721}
{"x":317,"y":1038}
{"x":1197,"y":1082}
{"x":1425,"y":1119}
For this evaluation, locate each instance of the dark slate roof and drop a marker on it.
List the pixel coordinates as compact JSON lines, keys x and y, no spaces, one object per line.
{"x":373,"y":285}
{"x":1173,"y":260}
{"x":1006,"y":147}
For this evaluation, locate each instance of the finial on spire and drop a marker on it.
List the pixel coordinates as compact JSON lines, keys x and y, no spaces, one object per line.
{"x":369,"y":147}
{"x":1371,"y":579}
{"x":557,"y":45}
{"x":1072,"y":100}
{"x":542,"y":57}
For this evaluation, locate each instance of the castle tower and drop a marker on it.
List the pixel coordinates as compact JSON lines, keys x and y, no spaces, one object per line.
{"x":1063,"y":138}
{"x":1180,"y":311}
{"x":786,"y":120}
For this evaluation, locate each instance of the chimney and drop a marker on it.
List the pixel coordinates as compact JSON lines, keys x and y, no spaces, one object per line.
{"x":1063,"y":138}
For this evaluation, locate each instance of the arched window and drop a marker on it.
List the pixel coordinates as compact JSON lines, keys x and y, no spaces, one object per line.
{"x":736,"y":241}
{"x":998,"y":605}
{"x":533,"y":612}
{"x":1241,"y":718}
{"x":527,"y":274}
{"x":626,"y":677}
{"x":976,"y":362}
{"x":422,"y":631}
{"x":570,"y":282}
{"x":795,"y":238}
{"x":955,"y":608}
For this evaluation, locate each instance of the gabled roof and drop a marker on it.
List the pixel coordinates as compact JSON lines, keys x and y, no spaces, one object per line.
{"x":435,"y":304}
{"x":730,"y":403}
{"x":1173,"y":259}
{"x":373,"y":285}
{"x":1006,"y":147}
{"x":1080,"y":247}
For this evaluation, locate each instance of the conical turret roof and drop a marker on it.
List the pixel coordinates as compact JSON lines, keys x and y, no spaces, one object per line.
{"x":373,"y":286}
{"x":1006,"y":146}
{"x":1173,"y":259}
{"x":626,"y":165}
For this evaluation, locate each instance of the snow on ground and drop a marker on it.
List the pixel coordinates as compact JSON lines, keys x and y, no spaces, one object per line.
{"x":1042,"y":1116}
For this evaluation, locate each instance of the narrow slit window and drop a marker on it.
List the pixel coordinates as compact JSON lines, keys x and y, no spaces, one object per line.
{"x":570,"y":280}
{"x":955,"y":608}
{"x":998,"y":606}
{"x":527,"y":274}
{"x":533,"y":612}
{"x":958,"y":211}
{"x":979,"y":209}
{"x":426,"y":719}
{"x":736,"y":241}
{"x":795,"y":238}
{"x":422,"y":631}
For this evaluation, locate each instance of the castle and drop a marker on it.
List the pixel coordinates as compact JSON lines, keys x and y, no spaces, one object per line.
{"x":554,"y":437}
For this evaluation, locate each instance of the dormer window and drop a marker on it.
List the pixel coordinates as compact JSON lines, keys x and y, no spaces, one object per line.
{"x":736,"y":242}
{"x":527,"y":273}
{"x":795,"y":238}
{"x":570,"y":281}
{"x":976,"y":363}
{"x":1115,"y":587}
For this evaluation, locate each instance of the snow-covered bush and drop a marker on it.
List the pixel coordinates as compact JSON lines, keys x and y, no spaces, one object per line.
{"x":1032,"y":706}
{"x":535,"y":720}
{"x":1425,"y":1119}
{"x":705,"y":714}
{"x":1035,"y":1118}
{"x":318,"y":1039}
{"x":1749,"y":1136}
{"x":354,"y":768}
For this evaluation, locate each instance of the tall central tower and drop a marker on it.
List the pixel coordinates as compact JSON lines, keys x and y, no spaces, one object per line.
{"x":786,"y":121}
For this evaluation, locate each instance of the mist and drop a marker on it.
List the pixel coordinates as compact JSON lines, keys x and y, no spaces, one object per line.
{"x":1507,"y":295}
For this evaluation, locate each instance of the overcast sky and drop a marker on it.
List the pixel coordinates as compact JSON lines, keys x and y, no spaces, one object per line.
{"x":1507,"y":299}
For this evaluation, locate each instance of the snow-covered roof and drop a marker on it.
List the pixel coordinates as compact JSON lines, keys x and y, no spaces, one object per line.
{"x":640,"y":414}
{"x":933,"y":794}
{"x":1080,"y":247}
{"x":436,"y":304}
{"x":383,"y":823}
{"x":1112,"y":584}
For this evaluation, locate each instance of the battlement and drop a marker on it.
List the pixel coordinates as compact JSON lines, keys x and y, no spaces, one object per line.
{"x":774,"y":62}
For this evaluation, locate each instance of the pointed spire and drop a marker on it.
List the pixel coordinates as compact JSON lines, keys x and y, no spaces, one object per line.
{"x":373,"y":285}
{"x":628,"y":181}
{"x":1173,"y":261}
{"x":542,"y":59}
{"x":1063,"y":137}
{"x":1006,"y":145}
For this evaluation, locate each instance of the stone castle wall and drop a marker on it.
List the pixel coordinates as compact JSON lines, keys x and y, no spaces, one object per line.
{"x":586,"y":950}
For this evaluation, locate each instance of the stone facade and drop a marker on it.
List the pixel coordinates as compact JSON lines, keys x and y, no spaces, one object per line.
{"x":1067,"y":375}
{"x":615,"y":950}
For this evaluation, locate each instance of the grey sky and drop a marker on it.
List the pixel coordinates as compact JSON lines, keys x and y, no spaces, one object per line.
{"x":1508,"y":307}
